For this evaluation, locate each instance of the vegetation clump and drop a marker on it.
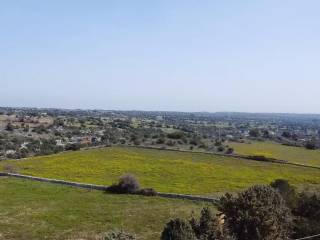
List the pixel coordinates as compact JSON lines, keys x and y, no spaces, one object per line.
{"x":119,"y":235}
{"x":258,"y":213}
{"x":128,"y":184}
{"x":178,"y":229}
{"x":176,"y":135}
{"x":210,"y":226}
{"x":307,"y":215}
{"x":287,"y":191}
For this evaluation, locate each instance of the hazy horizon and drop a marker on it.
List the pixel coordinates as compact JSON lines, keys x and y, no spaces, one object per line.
{"x":163,"y":110}
{"x":190,"y":56}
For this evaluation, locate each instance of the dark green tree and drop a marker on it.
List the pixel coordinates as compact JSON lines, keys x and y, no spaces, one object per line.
{"x":259,"y":213}
{"x":178,"y":229}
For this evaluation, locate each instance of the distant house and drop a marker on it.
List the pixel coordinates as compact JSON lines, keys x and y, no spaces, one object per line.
{"x":229,"y":136}
{"x":10,"y":152}
{"x":60,"y":143}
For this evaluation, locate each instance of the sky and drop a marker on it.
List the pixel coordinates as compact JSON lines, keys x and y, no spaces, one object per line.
{"x":173,"y":55}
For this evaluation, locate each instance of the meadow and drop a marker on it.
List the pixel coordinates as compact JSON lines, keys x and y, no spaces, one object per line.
{"x":33,"y":210}
{"x":275,"y":150}
{"x":165,"y":171}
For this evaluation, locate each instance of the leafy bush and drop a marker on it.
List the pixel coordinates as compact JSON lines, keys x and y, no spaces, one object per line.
{"x":119,"y":235}
{"x":287,"y":191}
{"x":258,"y":213}
{"x":148,"y":192}
{"x":9,"y":127}
{"x":178,"y":229}
{"x":229,"y":151}
{"x":210,"y":227}
{"x":220,"y":148}
{"x":305,"y":227}
{"x":310,"y":145}
{"x":127,"y":184}
{"x":308,"y":206}
{"x":171,"y":143}
{"x":73,"y":147}
{"x":175,"y":135}
{"x":160,"y":141}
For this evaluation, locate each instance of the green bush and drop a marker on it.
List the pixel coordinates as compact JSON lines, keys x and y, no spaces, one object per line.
{"x":178,"y":229}
{"x":308,"y":206}
{"x":175,"y":135}
{"x":259,"y":213}
{"x":147,"y":192}
{"x":305,"y":227}
{"x":127,"y":184}
{"x":287,"y":192}
{"x":210,"y":227}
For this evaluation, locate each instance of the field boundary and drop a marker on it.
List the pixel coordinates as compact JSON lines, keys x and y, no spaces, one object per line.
{"x":104,"y":188}
{"x":238,"y":156}
{"x":233,"y":155}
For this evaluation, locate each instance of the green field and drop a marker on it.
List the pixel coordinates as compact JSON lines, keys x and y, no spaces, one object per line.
{"x":275,"y":150}
{"x":33,"y":210}
{"x":166,"y":171}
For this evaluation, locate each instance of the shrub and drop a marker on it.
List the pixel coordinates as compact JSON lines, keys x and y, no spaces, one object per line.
{"x":308,"y":206}
{"x":171,"y":143}
{"x":73,"y":146}
{"x":178,"y":229}
{"x":160,"y":141}
{"x":175,"y":135}
{"x":307,"y":215}
{"x":210,"y":227}
{"x":256,"y":214}
{"x":230,"y":151}
{"x":254,"y":133}
{"x":220,"y":148}
{"x":148,"y":192}
{"x":287,"y":191}
{"x":9,"y":127}
{"x":305,"y":227}
{"x":310,"y":145}
{"x":127,"y":184}
{"x":119,"y":235}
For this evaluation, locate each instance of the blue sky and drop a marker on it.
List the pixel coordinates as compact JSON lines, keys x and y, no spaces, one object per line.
{"x":251,"y":56}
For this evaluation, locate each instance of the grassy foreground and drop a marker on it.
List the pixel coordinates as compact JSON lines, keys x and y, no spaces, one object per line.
{"x":33,"y":210}
{"x":166,"y":171}
{"x":275,"y":150}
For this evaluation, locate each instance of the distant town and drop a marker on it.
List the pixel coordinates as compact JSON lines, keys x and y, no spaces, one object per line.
{"x":29,"y":131}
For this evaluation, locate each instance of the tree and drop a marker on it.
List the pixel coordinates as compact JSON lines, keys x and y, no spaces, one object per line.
{"x":210,"y":227}
{"x":286,"y":134}
{"x":266,"y":134}
{"x":307,"y":215}
{"x":259,"y":213}
{"x":254,"y":133}
{"x":230,"y":150}
{"x":127,"y":184}
{"x":310,"y":145}
{"x":308,"y":206}
{"x":178,"y":229}
{"x":287,"y":191}
{"x":9,"y":127}
{"x":175,"y":135}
